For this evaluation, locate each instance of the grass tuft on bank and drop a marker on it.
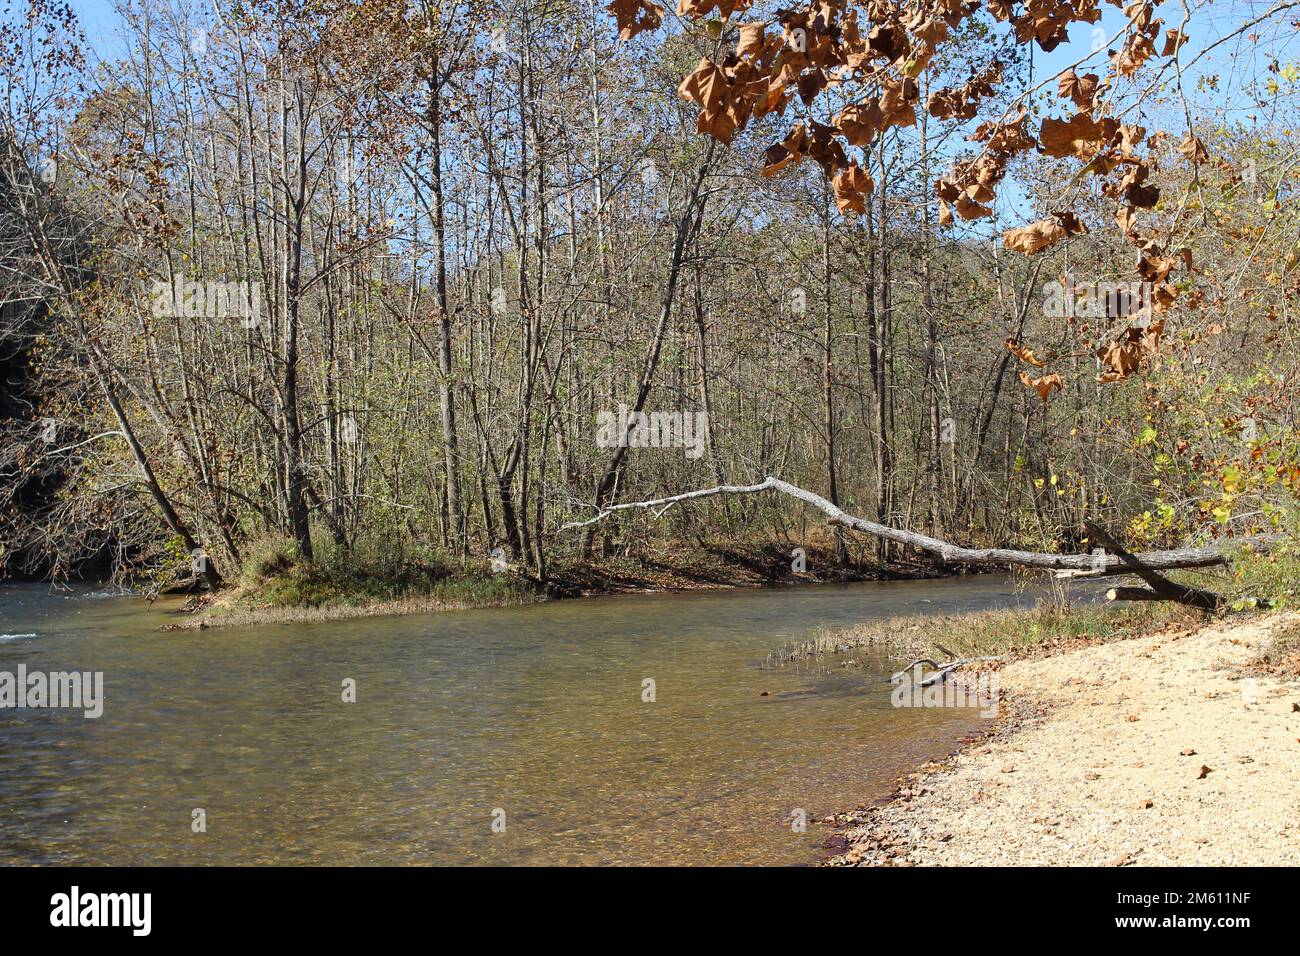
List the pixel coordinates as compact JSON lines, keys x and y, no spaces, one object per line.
{"x":1252,"y":582}
{"x":1009,"y":632}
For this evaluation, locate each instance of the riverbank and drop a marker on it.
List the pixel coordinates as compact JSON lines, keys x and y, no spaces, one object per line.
{"x":1177,"y":747}
{"x":279,"y":590}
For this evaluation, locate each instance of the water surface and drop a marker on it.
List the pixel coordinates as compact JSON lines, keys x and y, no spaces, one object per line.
{"x":534,"y":713}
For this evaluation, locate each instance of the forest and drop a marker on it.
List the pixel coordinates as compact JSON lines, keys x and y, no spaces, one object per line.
{"x":406,"y":292}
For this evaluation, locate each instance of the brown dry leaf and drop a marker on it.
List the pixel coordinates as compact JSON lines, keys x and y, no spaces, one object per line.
{"x":1163,"y":296}
{"x":1079,"y":90}
{"x":1126,"y":217}
{"x":705,"y":86}
{"x":1123,"y":356}
{"x":1155,"y":268}
{"x":701,"y":8}
{"x":635,"y":16}
{"x":726,"y":96}
{"x":1045,"y":385}
{"x":963,"y":102}
{"x":1189,"y":752}
{"x":1140,"y":45}
{"x":1194,"y":150}
{"x":781,"y":154}
{"x":1024,"y":354}
{"x":753,"y":39}
{"x":810,"y":85}
{"x":1146,"y":804}
{"x":1037,"y":236}
{"x":859,"y":122}
{"x":721,"y":126}
{"x":1080,"y":136}
{"x":825,"y":149}
{"x":1135,"y":189}
{"x":1130,"y":138}
{"x":1173,"y":40}
{"x":1205,"y":772}
{"x":971,"y":184}
{"x":1121,"y":360}
{"x":945,"y":104}
{"x":1008,"y":138}
{"x":1045,"y":22}
{"x":897,"y":102}
{"x":927,"y":25}
{"x":851,"y":187}
{"x":774,"y":99}
{"x":967,"y":208}
{"x":1002,"y":9}
{"x":888,"y":41}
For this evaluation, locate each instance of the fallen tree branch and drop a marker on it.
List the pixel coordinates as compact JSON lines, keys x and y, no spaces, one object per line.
{"x":941,"y":671}
{"x":1161,"y":587}
{"x":1134,"y":594}
{"x":1109,"y":563}
{"x":919,"y":660}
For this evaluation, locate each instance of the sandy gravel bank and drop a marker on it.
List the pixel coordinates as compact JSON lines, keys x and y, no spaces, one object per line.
{"x":1162,"y":750}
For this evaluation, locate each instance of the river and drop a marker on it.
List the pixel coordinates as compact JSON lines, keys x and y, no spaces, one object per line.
{"x":502,"y":736}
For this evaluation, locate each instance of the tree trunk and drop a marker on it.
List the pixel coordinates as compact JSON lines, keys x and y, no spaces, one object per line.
{"x":694,"y":209}
{"x":450,"y":446}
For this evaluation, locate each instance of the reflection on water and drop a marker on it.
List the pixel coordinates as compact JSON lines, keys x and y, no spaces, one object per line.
{"x":536,"y":711}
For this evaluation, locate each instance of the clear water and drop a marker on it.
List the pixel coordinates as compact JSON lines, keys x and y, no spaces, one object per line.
{"x":534,"y":711}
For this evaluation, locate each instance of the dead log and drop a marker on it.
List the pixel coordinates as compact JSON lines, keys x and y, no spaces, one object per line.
{"x":1134,"y":594}
{"x":941,"y":671}
{"x":1203,"y":557}
{"x":1162,"y":588}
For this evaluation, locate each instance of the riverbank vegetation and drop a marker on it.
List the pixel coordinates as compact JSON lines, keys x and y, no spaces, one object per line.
{"x":368,"y":277}
{"x":1012,"y":632}
{"x":275,"y":575}
{"x":1057,"y":618}
{"x":276,"y":585}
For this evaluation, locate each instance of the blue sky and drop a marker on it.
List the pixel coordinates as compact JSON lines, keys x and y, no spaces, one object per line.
{"x":1236,"y":63}
{"x":1210,"y":21}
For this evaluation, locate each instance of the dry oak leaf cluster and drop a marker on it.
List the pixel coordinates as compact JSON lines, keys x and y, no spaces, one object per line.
{"x":1025,"y":355}
{"x":635,"y":16}
{"x":881,"y":48}
{"x":1039,"y":235}
{"x":802,"y":53}
{"x":1045,"y":385}
{"x":1123,"y":356}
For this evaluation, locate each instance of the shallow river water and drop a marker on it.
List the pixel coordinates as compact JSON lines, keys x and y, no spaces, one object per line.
{"x":530,"y":717}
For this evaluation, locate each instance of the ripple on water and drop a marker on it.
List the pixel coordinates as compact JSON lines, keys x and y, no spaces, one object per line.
{"x":536,"y":712}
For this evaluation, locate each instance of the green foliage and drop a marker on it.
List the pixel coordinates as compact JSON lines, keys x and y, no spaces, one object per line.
{"x":1222,"y":453}
{"x":1267,"y":580}
{"x":265,"y":559}
{"x":374,"y":570}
